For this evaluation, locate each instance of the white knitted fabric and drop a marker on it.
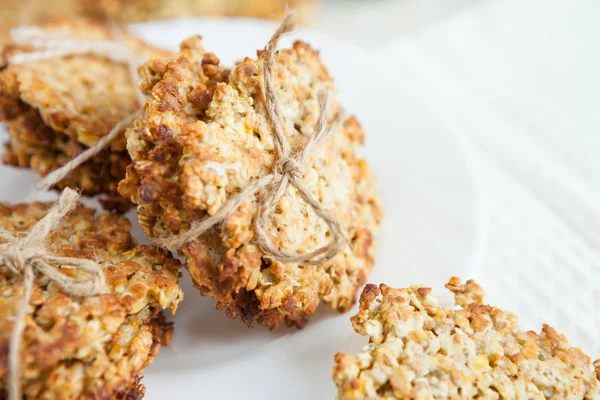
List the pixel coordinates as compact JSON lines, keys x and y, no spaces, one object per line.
{"x":521,"y":77}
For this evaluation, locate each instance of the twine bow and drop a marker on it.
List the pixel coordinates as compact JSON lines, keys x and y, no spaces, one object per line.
{"x":27,"y":256}
{"x":48,"y":45}
{"x":287,"y":171}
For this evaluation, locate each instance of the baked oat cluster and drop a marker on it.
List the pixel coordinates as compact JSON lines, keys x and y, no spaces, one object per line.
{"x":57,"y":108}
{"x":205,"y":136}
{"x":92,"y":347}
{"x":419,"y":350}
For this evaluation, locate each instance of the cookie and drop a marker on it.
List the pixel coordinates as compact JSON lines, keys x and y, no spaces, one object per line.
{"x":420,"y":350}
{"x":143,"y":10}
{"x":94,"y":347}
{"x":204,"y":137}
{"x":24,"y":12}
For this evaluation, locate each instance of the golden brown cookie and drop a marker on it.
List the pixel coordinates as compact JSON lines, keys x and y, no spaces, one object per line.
{"x":93,"y":347}
{"x":24,"y":12}
{"x":419,"y":350}
{"x":204,"y":137}
{"x":57,"y":108}
{"x":147,"y":10}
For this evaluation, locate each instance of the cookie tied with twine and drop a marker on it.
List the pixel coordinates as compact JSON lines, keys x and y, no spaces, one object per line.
{"x":28,"y":256}
{"x":48,"y":45}
{"x":286,"y":172}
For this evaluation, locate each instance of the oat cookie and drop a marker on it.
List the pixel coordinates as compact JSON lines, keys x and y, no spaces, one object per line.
{"x":419,"y":350}
{"x":94,"y":347}
{"x":204,"y":137}
{"x":146,"y":10}
{"x":22,"y":12}
{"x":57,"y":108}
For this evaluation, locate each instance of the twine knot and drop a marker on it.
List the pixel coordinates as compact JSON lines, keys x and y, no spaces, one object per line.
{"x":291,"y":167}
{"x":287,"y":170}
{"x":26,"y":255}
{"x":12,"y":257}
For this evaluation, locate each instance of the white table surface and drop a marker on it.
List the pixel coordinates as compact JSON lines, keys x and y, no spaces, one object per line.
{"x":521,"y":79}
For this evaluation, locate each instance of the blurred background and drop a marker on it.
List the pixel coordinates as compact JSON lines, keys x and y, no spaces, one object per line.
{"x":519,"y":79}
{"x":368,"y":23}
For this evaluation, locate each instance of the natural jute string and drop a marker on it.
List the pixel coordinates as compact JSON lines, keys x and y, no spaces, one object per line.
{"x":286,"y":171}
{"x":27,"y":256}
{"x":60,"y":173}
{"x":48,"y":45}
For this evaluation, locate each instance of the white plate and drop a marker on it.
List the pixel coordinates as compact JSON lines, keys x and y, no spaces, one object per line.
{"x":433,"y":227}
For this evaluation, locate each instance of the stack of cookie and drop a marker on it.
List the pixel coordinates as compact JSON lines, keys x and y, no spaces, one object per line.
{"x":204,"y":137}
{"x":58,"y":107}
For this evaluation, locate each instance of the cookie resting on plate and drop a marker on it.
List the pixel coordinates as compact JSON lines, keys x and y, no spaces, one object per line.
{"x":57,"y":108}
{"x":419,"y":350}
{"x":93,"y":347}
{"x":204,"y":137}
